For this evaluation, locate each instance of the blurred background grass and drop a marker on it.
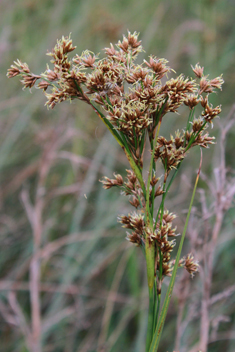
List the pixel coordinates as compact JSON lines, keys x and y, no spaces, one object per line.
{"x":93,"y":284}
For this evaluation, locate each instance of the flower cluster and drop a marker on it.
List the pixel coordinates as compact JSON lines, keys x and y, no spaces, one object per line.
{"x":132,"y":101}
{"x":130,"y":94}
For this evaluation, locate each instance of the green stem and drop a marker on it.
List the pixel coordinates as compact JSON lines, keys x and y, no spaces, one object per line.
{"x":150,"y":319}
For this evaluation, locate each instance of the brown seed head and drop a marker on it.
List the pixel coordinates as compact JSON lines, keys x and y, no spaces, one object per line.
{"x":198,"y":70}
{"x":158,"y":66}
{"x":191,"y":101}
{"x":88,"y":59}
{"x":134,"y":238}
{"x":43,"y":85}
{"x":133,"y":40}
{"x":126,"y":221}
{"x":130,"y":43}
{"x":191,"y":265}
{"x":13,"y":71}
{"x":29,"y":80}
{"x":205,"y":86}
{"x":110,"y":51}
{"x":217,"y":82}
{"x":168,"y":217}
{"x":135,"y":202}
{"x":56,"y":96}
{"x":18,"y":68}
{"x":108,"y":183}
{"x":159,"y":191}
{"x":50,"y":75}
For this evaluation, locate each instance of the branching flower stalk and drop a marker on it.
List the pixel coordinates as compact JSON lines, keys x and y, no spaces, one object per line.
{"x":132,"y":102}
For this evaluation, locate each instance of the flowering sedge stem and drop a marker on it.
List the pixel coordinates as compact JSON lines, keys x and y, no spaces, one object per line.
{"x":130,"y":113}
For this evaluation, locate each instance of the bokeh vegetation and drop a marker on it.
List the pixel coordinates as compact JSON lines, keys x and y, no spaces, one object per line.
{"x":93,"y":282}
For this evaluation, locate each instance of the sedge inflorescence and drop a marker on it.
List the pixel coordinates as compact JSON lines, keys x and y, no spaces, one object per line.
{"x":132,"y":100}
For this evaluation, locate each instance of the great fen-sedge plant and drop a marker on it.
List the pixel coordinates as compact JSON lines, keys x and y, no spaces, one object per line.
{"x":133,"y":102}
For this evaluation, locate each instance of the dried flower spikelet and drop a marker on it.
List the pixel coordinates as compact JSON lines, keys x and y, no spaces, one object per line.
{"x":60,"y":55}
{"x":204,"y":101}
{"x":137,"y":222}
{"x":50,"y":75}
{"x":74,"y":78}
{"x":148,"y":95}
{"x":168,"y":246}
{"x":56,"y":96}
{"x":43,"y":85}
{"x":167,"y":269}
{"x":178,"y":140}
{"x":130,"y":44}
{"x":166,"y":231}
{"x":168,"y":153}
{"x":162,"y":142}
{"x":190,"y":264}
{"x":126,"y":221}
{"x":19,"y":69}
{"x":205,"y":86}
{"x":161,"y":238}
{"x":88,"y":58}
{"x":168,"y":217}
{"x":177,"y":90}
{"x":138,"y":73}
{"x":130,"y":118}
{"x":201,"y":139}
{"x":209,"y":112}
{"x":197,"y":124}
{"x":96,"y":81}
{"x":191,"y":101}
{"x":133,"y":221}
{"x":198,"y":70}
{"x":134,"y":238}
{"x":131,"y":180}
{"x":110,"y":51}
{"x":158,"y":66}
{"x":124,"y":45}
{"x":159,"y":191}
{"x":13,"y":70}
{"x":204,"y":140}
{"x":135,"y":202}
{"x":133,"y":40}
{"x":217,"y":82}
{"x":108,"y":182}
{"x":29,"y":80}
{"x":154,"y":180}
{"x":62,"y":47}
